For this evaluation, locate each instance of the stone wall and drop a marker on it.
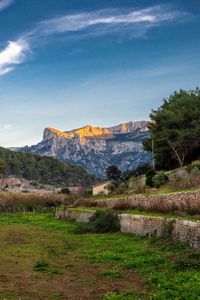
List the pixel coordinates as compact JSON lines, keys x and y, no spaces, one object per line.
{"x":187,"y":232}
{"x":74,"y":214}
{"x":179,"y":230}
{"x":143,"y":225}
{"x":188,"y":202}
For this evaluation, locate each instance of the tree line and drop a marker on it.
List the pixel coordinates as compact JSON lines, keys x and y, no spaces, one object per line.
{"x":46,"y":170}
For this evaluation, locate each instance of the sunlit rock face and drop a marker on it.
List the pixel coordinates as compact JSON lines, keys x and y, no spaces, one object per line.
{"x":96,"y":148}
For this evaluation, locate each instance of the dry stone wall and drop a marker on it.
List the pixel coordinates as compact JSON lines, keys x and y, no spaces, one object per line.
{"x":75,"y":215}
{"x":188,"y":202}
{"x":176,"y":229}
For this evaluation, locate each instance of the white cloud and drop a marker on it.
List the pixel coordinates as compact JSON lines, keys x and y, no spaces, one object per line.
{"x":5,"y":3}
{"x":109,"y":17}
{"x":100,"y":22}
{"x":12,"y":55}
{"x":4,"y":127}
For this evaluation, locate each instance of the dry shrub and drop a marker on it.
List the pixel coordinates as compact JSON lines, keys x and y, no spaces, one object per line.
{"x":182,"y":203}
{"x":121,"y":189}
{"x":13,"y":202}
{"x":140,"y":189}
{"x":192,"y":181}
{"x":122,"y":205}
{"x":85,"y":202}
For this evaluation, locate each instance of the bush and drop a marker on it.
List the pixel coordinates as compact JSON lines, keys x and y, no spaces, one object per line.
{"x":111,"y":187}
{"x":193,"y":167}
{"x":149,"y":177}
{"x":103,"y":221}
{"x":122,"y":188}
{"x":65,"y":191}
{"x":159,"y":179}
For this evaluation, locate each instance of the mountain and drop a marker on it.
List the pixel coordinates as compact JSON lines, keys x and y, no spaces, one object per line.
{"x":96,"y":148}
{"x":45,"y":170}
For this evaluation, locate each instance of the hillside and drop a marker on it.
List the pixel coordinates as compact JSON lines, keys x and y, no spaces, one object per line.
{"x":96,"y":148}
{"x":47,"y":170}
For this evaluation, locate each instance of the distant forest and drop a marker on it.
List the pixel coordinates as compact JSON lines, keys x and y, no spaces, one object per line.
{"x":46,"y":170}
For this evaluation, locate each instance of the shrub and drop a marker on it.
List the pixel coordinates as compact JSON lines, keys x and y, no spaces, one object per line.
{"x":149,"y":177}
{"x":194,"y":165}
{"x":103,"y":221}
{"x":122,"y":188}
{"x":14,"y":202}
{"x":111,"y":187}
{"x":65,"y":191}
{"x":159,"y":179}
{"x":140,"y":189}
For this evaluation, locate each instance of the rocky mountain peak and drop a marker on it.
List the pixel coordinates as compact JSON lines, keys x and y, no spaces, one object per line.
{"x":89,"y":131}
{"x":95,"y":148}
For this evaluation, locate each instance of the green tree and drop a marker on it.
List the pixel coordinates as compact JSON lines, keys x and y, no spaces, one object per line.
{"x":113,"y":173}
{"x":175,"y":129}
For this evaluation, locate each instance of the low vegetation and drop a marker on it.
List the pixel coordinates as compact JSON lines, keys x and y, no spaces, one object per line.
{"x":42,"y":256}
{"x":103,"y":221}
{"x":16,"y":202}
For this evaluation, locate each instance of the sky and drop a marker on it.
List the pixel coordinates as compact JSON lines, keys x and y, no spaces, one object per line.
{"x":70,"y":63}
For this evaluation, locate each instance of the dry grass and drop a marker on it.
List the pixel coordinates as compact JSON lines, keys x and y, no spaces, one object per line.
{"x":85,"y":202}
{"x":183,"y":203}
{"x":12,"y":202}
{"x":192,"y":181}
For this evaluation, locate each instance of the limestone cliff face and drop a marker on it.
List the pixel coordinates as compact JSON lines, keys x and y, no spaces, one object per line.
{"x":96,"y":148}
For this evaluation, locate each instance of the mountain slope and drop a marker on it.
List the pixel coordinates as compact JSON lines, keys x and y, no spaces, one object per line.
{"x":96,"y":148}
{"x":46,"y":170}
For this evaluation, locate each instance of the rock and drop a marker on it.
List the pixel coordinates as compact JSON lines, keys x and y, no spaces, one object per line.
{"x":96,"y":148}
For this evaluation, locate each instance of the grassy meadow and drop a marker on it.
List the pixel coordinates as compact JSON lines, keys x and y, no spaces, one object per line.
{"x":42,"y":258}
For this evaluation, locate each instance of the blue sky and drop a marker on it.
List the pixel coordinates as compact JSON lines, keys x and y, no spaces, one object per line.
{"x":70,"y":63}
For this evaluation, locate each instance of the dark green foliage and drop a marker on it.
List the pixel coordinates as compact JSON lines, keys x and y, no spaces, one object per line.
{"x":2,"y":166}
{"x":141,"y":170}
{"x":159,"y":179}
{"x":47,"y":170}
{"x":103,"y":221}
{"x":113,"y":173}
{"x":175,"y":130}
{"x":65,"y":191}
{"x":149,"y":177}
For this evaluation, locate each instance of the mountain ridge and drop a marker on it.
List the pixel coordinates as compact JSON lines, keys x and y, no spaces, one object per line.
{"x":95,"y":131}
{"x":95,"y":148}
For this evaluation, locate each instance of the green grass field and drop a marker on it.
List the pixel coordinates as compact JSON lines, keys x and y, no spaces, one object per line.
{"x":41,"y":258}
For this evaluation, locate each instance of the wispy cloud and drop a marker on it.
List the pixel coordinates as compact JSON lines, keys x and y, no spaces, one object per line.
{"x":5,"y":3}
{"x":109,"y":18}
{"x":12,"y":55}
{"x":94,"y":23}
